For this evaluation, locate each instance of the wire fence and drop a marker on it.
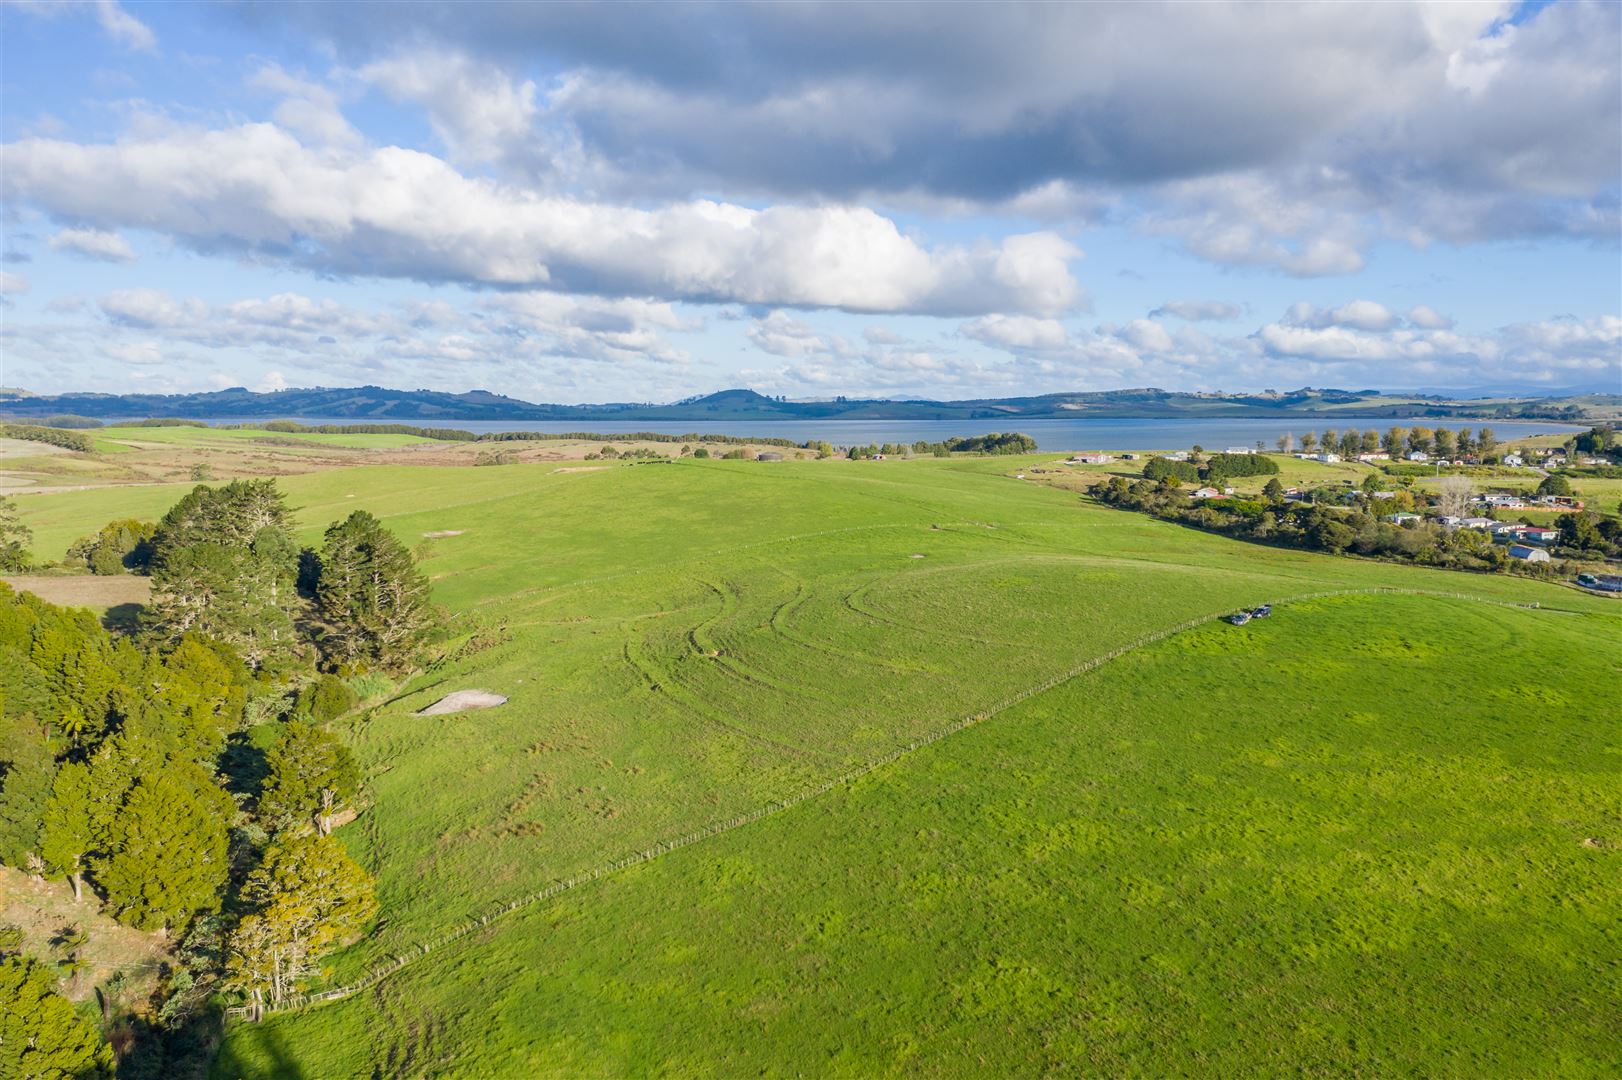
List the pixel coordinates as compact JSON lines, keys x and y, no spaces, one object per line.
{"x":664,"y":847}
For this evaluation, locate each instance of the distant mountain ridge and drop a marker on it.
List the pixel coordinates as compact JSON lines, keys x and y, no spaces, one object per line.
{"x":377,"y":403}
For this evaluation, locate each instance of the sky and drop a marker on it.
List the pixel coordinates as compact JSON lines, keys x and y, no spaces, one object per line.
{"x":627,"y":202}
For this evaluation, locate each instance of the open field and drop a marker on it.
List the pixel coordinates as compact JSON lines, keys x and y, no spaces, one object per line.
{"x":683,"y":644}
{"x":1229,"y":853}
{"x":132,"y":456}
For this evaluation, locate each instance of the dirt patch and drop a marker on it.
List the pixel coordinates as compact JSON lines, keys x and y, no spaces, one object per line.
{"x":86,"y":590}
{"x":463,"y":700}
{"x":584,"y":468}
{"x":442,"y":533}
{"x":42,"y":909}
{"x":12,"y":448}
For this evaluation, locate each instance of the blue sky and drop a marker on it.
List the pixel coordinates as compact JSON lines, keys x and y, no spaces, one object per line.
{"x":622,"y":202}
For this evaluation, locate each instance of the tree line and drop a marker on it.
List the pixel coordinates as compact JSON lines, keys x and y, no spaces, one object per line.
{"x":1397,"y":442}
{"x":68,"y":440}
{"x":181,"y":778}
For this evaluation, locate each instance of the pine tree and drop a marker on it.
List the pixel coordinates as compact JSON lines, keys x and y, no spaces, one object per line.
{"x":40,"y":1033}
{"x":371,"y":596}
{"x":310,"y":897}
{"x":26,"y":770}
{"x":166,"y":848}
{"x":15,"y":538}
{"x":224,"y":565}
{"x":312,"y":776}
{"x":68,"y":827}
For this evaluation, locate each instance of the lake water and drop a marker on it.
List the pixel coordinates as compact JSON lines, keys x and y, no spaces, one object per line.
{"x":1051,"y":435}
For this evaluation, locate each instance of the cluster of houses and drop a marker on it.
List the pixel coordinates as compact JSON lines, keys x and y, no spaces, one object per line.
{"x":1525,"y":542}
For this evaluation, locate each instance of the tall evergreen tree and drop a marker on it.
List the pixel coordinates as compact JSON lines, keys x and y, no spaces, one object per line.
{"x":41,"y":1036}
{"x":166,"y":849}
{"x":371,"y":596}
{"x":224,"y":565}
{"x":15,"y":538}
{"x":312,"y":777}
{"x":26,"y":770}
{"x":68,"y":829}
{"x":310,"y":897}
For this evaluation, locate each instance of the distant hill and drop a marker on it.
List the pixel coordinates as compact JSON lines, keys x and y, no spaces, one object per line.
{"x":377,"y":403}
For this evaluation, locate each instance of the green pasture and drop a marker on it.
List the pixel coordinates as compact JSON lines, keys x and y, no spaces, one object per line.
{"x":1372,"y":835}
{"x":685,"y":642}
{"x":124,"y":439}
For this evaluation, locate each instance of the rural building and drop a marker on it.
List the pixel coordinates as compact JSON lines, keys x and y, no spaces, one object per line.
{"x":1129,"y":457}
{"x":1564,"y":502}
{"x":1514,"y":459}
{"x":1503,"y":502}
{"x":769,"y":456}
{"x":1239,"y":450}
{"x":1477,"y":523}
{"x":1449,"y":521}
{"x":1091,"y":459}
{"x":1378,"y":455}
{"x":1418,"y":455}
{"x":1403,"y":519}
{"x":1528,"y":554}
{"x":1327,"y":459}
{"x":1553,"y":461}
{"x":1601,"y":582}
{"x":1207,"y":493}
{"x":1180,"y":455}
{"x":1537,"y":534}
{"x":1505,"y":528}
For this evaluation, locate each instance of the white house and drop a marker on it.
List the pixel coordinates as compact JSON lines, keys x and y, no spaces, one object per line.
{"x":1375,"y":455}
{"x":1514,"y":459}
{"x":1180,"y":455}
{"x":1327,"y":459}
{"x":1239,"y":450}
{"x":1504,"y":502}
{"x":1206,"y":493}
{"x":1091,"y":459}
{"x":1449,"y":521}
{"x":1403,"y":518}
{"x":1528,"y":554}
{"x":1477,"y":523}
{"x":1418,"y":455}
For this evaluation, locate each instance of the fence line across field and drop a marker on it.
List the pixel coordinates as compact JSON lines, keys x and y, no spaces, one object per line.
{"x":381,"y":971}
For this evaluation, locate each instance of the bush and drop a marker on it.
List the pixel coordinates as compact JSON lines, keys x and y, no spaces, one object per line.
{"x":701,"y":452}
{"x":328,"y":698}
{"x":1158,"y":468}
{"x":1240,"y":465}
{"x":120,"y":546}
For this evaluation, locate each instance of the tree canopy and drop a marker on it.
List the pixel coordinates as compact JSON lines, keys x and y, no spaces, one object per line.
{"x":41,"y":1036}
{"x":370,"y":595}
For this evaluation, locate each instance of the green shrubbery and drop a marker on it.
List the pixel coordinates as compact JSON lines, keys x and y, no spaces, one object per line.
{"x":69,"y":440}
{"x":123,"y":546}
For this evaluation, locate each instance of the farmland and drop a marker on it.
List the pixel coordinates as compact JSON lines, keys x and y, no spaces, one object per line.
{"x":1111,"y":866}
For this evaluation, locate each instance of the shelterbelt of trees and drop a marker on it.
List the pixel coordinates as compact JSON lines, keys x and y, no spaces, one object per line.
{"x":181,"y":779}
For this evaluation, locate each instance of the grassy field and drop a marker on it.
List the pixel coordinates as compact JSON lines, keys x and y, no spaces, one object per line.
{"x":1234,"y":852}
{"x":124,"y":439}
{"x":684,"y":643}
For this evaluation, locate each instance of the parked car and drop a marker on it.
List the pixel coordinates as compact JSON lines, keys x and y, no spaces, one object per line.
{"x":1239,"y":619}
{"x":1262,"y":612}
